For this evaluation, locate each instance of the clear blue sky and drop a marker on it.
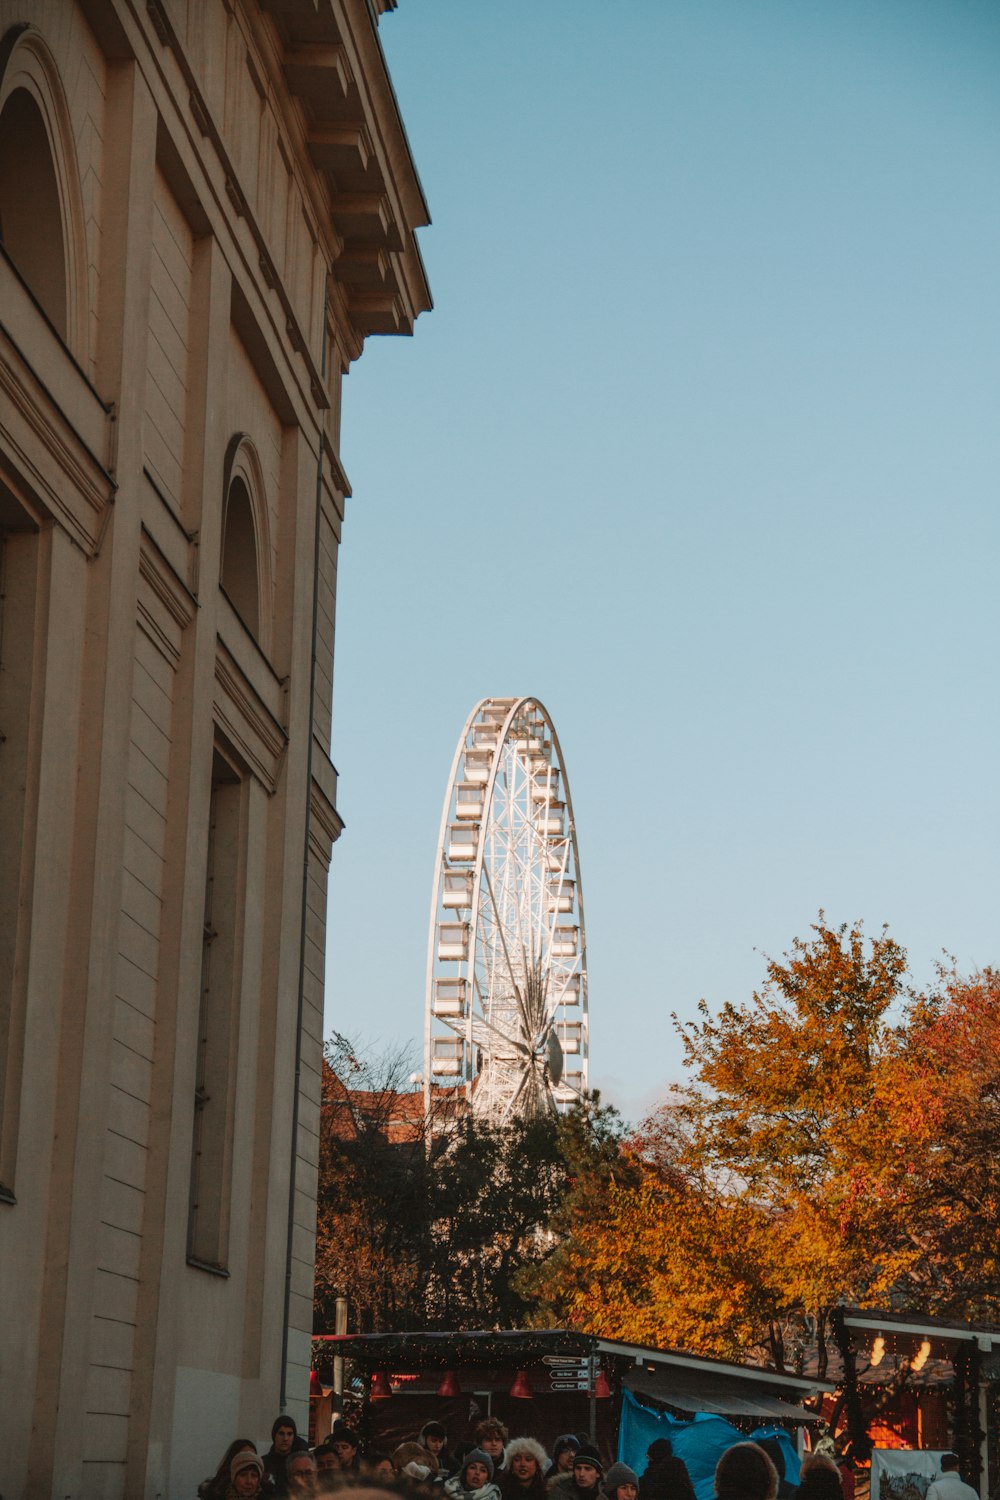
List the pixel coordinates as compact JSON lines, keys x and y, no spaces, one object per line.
{"x":700,"y":446}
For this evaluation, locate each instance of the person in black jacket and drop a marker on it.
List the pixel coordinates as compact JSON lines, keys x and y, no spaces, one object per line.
{"x":434,"y":1437}
{"x":284,"y":1440}
{"x":665,"y":1476}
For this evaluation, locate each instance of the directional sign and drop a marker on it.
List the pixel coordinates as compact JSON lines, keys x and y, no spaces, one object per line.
{"x":570,"y":1385}
{"x":564,"y":1359}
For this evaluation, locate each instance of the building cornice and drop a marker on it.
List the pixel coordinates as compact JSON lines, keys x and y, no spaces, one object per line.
{"x":334,"y":68}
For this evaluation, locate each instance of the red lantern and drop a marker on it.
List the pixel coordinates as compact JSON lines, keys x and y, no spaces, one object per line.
{"x":381,"y":1389}
{"x":601,"y":1388}
{"x":449,"y":1384}
{"x":315,"y":1389}
{"x":521,"y":1389}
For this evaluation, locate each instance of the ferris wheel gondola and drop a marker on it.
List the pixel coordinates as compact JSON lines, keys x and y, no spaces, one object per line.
{"x":506,"y":994}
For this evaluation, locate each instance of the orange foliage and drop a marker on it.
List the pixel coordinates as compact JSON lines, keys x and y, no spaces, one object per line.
{"x":820,"y":1152}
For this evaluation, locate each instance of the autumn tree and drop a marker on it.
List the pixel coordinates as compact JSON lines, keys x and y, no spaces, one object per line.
{"x":783,"y":1107}
{"x":835,"y":1140}
{"x":832,"y":1142}
{"x":657,"y":1262}
{"x":936,"y":1168}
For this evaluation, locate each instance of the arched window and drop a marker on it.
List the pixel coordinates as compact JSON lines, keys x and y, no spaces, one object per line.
{"x":41,"y":208}
{"x":30,"y":219}
{"x":239,"y":556}
{"x":243,"y":573}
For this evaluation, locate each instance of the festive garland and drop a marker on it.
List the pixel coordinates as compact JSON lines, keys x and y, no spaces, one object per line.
{"x":444,"y":1351}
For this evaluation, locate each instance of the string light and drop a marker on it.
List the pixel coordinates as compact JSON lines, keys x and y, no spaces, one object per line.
{"x":878,"y":1351}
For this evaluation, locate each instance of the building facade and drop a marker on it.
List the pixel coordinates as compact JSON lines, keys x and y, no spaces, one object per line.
{"x":206,"y":206}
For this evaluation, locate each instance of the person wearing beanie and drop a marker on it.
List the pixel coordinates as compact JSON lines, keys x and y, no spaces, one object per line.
{"x":620,"y":1483}
{"x":563,"y":1453}
{"x":666,"y":1476}
{"x":744,"y":1472}
{"x":217,"y":1488}
{"x":523,"y":1478}
{"x":246,"y":1474}
{"x":583,"y":1482}
{"x":474,"y":1480}
{"x":285,"y":1440}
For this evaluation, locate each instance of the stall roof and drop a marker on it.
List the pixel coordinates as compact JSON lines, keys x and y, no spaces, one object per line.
{"x":698,"y":1366}
{"x":688,"y":1382}
{"x":718,"y":1397}
{"x":921,"y":1326}
{"x":692,"y":1383}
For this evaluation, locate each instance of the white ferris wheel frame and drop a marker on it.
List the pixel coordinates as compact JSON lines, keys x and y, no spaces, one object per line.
{"x":475,"y":1027}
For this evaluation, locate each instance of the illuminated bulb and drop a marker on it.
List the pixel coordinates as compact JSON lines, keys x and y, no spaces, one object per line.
{"x":878,"y":1350}
{"x":920,"y":1358}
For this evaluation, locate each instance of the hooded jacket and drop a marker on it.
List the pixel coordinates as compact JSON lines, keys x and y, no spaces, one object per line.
{"x":274,"y":1463}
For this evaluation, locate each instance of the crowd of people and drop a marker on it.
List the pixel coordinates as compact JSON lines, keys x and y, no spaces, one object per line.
{"x":493,"y":1466}
{"x":490,"y":1465}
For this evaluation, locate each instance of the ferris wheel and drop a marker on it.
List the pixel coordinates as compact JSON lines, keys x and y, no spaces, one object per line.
{"x":506,"y":1000}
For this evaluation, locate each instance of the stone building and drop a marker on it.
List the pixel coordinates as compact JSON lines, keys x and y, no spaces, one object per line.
{"x":206,"y":206}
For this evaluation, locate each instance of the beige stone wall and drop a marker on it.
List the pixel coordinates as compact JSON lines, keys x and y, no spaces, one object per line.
{"x":235,"y":208}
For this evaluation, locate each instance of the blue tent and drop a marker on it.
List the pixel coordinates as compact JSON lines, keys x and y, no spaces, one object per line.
{"x":700,"y":1442}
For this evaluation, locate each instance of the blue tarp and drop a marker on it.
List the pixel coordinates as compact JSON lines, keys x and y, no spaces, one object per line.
{"x":700,"y":1442}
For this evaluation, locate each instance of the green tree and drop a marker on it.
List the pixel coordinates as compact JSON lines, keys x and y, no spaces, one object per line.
{"x":438,"y":1237}
{"x":372,"y":1229}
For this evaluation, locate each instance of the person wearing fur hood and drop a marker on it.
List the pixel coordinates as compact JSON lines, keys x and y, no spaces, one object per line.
{"x":523,"y":1477}
{"x":474,"y":1480}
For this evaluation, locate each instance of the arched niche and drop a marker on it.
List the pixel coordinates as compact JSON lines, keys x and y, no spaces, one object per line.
{"x":244,"y":572}
{"x":41,"y":206}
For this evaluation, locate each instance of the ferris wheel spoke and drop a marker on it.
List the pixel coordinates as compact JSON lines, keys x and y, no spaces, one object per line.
{"x":481,"y":1026}
{"x":506,"y":954}
{"x":512,"y":812}
{"x":525,"y":1075}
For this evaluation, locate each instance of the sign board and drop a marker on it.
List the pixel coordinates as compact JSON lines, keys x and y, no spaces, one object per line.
{"x":570,"y":1385}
